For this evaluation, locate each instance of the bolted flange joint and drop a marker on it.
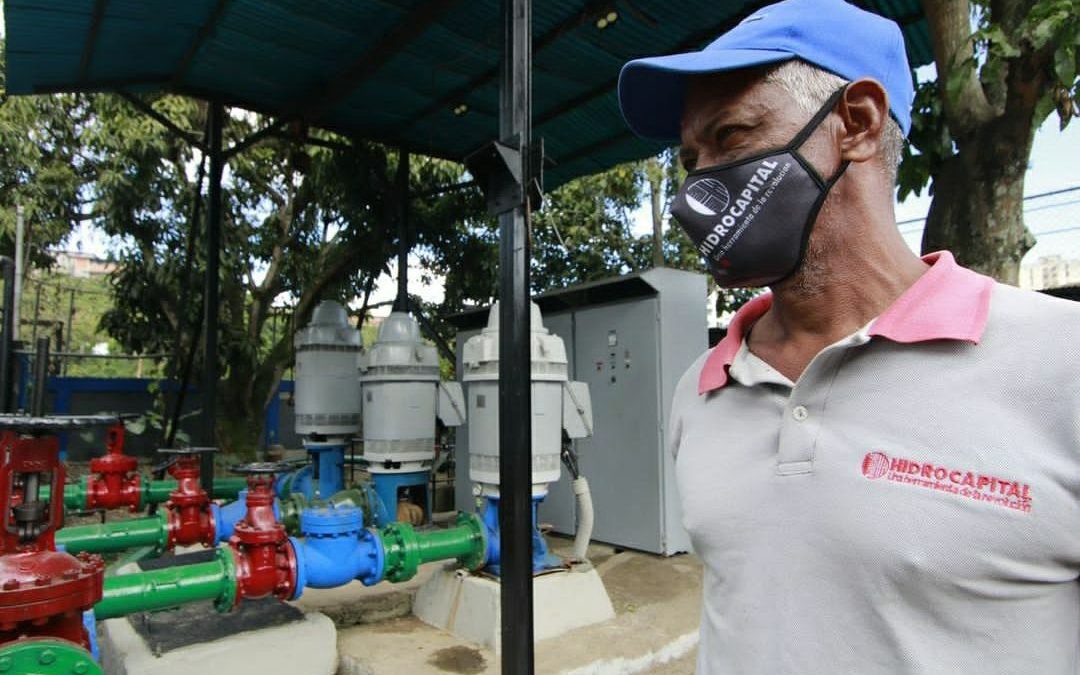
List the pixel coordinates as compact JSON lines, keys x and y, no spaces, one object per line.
{"x":46,"y":657}
{"x":402,"y":551}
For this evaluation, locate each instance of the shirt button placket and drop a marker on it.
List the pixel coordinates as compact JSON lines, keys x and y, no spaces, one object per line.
{"x":798,"y":429}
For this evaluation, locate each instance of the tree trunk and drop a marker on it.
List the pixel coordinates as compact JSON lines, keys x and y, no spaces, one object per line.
{"x":243,"y":407}
{"x":978,"y":206}
{"x":978,"y":210}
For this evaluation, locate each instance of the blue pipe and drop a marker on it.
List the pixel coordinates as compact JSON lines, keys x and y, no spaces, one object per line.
{"x":226,"y":517}
{"x":90,"y":623}
{"x":542,"y":559}
{"x":336,"y":549}
{"x":387,"y":486}
{"x":330,"y":460}
{"x":297,"y":481}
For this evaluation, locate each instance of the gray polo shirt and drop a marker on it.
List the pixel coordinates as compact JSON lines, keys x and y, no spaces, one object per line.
{"x":910,"y":505}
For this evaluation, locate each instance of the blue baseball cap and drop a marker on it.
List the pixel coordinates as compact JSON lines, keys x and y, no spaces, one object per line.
{"x":830,"y":34}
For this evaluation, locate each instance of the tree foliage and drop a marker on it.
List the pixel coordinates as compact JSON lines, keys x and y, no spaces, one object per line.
{"x":42,"y":168}
{"x":973,"y":127}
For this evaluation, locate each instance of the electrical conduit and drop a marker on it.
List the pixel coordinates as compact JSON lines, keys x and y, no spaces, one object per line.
{"x":585,"y":517}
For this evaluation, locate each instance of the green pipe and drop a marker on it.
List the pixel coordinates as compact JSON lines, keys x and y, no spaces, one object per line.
{"x":406,"y":549}
{"x":357,"y":498}
{"x":170,"y":587}
{"x":132,"y":556}
{"x":74,"y":495}
{"x":118,"y":535}
{"x":153,"y":491}
{"x":158,"y":491}
{"x":228,"y":488}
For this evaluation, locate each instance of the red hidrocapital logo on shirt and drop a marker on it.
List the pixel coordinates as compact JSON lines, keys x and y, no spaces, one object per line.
{"x":972,"y":485}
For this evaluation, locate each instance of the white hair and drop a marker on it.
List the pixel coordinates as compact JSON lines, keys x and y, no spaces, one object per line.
{"x":809,"y":88}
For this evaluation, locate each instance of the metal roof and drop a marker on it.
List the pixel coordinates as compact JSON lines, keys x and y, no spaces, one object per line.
{"x":419,"y":74}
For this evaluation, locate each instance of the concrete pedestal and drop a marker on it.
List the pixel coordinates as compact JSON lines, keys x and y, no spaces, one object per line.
{"x":306,"y":646}
{"x":467,"y":605}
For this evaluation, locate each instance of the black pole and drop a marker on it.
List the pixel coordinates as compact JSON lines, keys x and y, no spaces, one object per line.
{"x":70,"y":329}
{"x":210,"y":295}
{"x":7,"y":335}
{"x":182,"y":361}
{"x":401,"y":303}
{"x":41,"y":376}
{"x":515,"y":400}
{"x":37,"y":313}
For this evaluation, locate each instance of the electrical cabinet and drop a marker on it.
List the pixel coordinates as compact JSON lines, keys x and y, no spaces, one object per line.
{"x":630,"y":338}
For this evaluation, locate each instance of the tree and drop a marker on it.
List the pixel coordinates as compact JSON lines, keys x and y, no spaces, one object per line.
{"x":42,"y":169}
{"x":973,"y":128}
{"x":301,"y":223}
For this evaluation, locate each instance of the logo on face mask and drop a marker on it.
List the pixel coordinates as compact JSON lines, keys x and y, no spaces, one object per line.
{"x":708,"y":196}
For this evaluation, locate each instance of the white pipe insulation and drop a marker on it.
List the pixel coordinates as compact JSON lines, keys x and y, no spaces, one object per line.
{"x":585,"y":517}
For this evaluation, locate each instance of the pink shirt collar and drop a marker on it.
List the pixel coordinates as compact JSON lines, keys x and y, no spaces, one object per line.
{"x":948,"y":302}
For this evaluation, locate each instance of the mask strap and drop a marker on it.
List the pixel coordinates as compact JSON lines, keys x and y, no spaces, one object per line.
{"x":817,"y":119}
{"x":811,"y":127}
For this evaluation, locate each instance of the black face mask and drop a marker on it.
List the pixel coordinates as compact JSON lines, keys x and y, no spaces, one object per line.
{"x":751,"y":219}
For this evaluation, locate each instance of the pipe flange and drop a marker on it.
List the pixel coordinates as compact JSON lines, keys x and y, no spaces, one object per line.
{"x":378,"y":554}
{"x":477,"y":558}
{"x":402,"y":551}
{"x":231,"y":596}
{"x":47,"y":657}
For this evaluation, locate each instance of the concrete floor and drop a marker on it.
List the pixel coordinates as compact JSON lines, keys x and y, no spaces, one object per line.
{"x":657,"y":602}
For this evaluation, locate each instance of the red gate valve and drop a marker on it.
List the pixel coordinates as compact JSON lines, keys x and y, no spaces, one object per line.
{"x":191,"y":520}
{"x":43,"y":592}
{"x":265,"y":558}
{"x":114,"y":481}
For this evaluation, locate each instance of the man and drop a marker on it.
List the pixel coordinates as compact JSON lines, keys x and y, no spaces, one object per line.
{"x":880,"y":464}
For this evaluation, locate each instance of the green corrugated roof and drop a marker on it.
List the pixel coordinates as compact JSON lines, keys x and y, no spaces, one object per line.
{"x":389,"y":70}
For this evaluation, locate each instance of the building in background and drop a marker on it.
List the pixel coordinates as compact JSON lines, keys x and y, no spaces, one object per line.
{"x":1050,"y":271}
{"x":82,"y":265}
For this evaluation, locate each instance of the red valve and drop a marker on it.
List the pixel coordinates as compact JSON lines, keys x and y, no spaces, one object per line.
{"x":43,"y":592}
{"x":265,"y":559}
{"x":190,"y":518}
{"x":113,"y":481}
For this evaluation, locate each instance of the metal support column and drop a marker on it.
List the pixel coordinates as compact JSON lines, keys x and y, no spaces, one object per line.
{"x":41,"y":376}
{"x":7,"y":337}
{"x":515,"y":399}
{"x":401,"y":303}
{"x":211,"y":294}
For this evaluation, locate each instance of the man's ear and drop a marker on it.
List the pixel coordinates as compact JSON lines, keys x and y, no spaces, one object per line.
{"x":864,"y":110}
